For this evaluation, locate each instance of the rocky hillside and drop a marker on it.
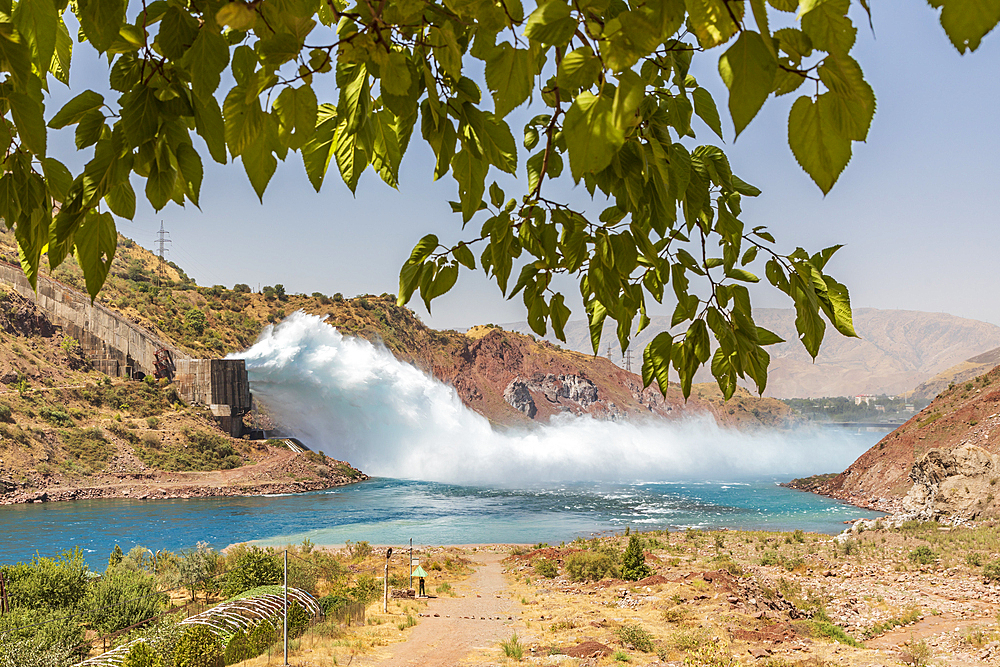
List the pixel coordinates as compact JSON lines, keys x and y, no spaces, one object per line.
{"x":898,"y":350}
{"x":966,"y":370}
{"x":67,"y":431}
{"x":964,"y":414}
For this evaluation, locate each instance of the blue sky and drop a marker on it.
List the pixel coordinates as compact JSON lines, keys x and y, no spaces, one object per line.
{"x":916,"y":208}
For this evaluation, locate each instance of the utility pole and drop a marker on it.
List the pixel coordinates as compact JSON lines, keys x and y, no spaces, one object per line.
{"x":385,"y":582}
{"x":411,"y":565}
{"x":286,"y":607}
{"x":162,"y":239}
{"x":4,"y":603}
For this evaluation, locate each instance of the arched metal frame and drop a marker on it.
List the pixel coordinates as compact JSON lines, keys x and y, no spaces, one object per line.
{"x":224,"y":621}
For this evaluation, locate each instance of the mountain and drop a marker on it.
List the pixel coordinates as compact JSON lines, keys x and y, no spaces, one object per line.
{"x":963,"y":414}
{"x":897,"y":350}
{"x":966,"y":370}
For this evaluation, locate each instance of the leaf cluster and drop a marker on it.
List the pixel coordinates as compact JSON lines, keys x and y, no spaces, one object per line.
{"x":619,"y":104}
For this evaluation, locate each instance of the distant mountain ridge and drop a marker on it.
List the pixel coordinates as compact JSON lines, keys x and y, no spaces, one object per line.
{"x":898,"y":350}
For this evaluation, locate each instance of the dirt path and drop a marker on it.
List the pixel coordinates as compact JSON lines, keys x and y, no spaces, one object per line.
{"x":482,"y":616}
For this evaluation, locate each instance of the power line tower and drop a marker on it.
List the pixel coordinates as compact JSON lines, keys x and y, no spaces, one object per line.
{"x":162,"y":239}
{"x":628,"y":360}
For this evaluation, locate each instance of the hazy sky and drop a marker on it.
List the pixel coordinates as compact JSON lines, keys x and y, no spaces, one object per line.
{"x":916,"y":207}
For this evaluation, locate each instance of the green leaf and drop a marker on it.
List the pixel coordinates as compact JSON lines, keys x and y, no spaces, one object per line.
{"x":409,"y":275}
{"x":854,"y":97}
{"x":29,"y":120}
{"x":596,"y":314}
{"x":705,"y":107}
{"x":630,"y":93}
{"x":748,"y":69}
{"x":579,"y":69}
{"x":18,"y":57}
{"x":207,"y":58}
{"x":765,"y":337}
{"x":386,"y":153}
{"x":627,"y":38}
{"x":74,"y":110}
{"x":38,"y":23}
{"x":551,"y":24}
{"x":101,"y":21}
{"x":236,"y":15}
{"x":816,"y":137}
{"x":828,"y":26}
{"x":62,"y":57}
{"x":190,"y":168}
{"x":464,"y":256}
{"x":794,"y":42}
{"x":966,"y":22}
{"x":296,"y":109}
{"x":470,"y":173}
{"x":140,"y":114}
{"x":446,"y":49}
{"x":559,"y":314}
{"x":712,"y":22}
{"x":444,"y":280}
{"x":57,"y":177}
{"x":96,"y":242}
{"x":160,"y":184}
{"x":259,"y":162}
{"x":121,"y":199}
{"x":592,"y":136}
{"x":211,"y":127}
{"x":395,"y":77}
{"x":178,"y":31}
{"x":837,"y":305}
{"x":656,"y":362}
{"x":509,"y":76}
{"x":244,"y":119}
{"x":351,"y":150}
{"x":318,"y":151}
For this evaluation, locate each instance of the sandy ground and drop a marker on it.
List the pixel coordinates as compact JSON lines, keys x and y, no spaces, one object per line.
{"x":450,"y":628}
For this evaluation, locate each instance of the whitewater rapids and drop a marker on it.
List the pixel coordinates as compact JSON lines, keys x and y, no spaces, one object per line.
{"x":356,"y":402}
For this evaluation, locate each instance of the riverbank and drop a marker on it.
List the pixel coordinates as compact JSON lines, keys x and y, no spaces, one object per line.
{"x":276,"y":471}
{"x":821,"y":485}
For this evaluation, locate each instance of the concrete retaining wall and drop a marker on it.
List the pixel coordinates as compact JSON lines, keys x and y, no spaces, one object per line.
{"x":117,"y":346}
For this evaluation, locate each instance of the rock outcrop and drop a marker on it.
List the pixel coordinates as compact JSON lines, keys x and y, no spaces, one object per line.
{"x":566,"y":393}
{"x":956,"y":484}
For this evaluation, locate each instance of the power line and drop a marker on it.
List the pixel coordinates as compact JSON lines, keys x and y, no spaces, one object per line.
{"x":161,"y":242}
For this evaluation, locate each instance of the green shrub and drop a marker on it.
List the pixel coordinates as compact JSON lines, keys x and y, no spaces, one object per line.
{"x":634,"y":565}
{"x":48,"y":583}
{"x":590,"y":566}
{"x":142,"y":655}
{"x":923,"y":555}
{"x":512,"y":647}
{"x":6,"y":413}
{"x":255,"y":567}
{"x":298,"y":620}
{"x":366,"y":588}
{"x":635,"y":637}
{"x":198,"y":647}
{"x":262,"y":637}
{"x":122,"y":583}
{"x":991,"y":571}
{"x":238,"y":649}
{"x":546,"y":567}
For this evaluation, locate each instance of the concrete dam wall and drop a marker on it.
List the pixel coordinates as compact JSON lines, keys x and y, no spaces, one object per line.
{"x":121,"y":348}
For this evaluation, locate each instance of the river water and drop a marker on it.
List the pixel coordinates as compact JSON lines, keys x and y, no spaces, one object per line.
{"x":391,"y":511}
{"x":445,"y":475}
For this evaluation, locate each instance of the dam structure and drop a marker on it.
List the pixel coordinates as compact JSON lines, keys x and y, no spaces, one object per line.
{"x":121,"y":348}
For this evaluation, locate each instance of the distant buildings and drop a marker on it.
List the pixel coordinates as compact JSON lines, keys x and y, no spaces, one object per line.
{"x":864,"y":398}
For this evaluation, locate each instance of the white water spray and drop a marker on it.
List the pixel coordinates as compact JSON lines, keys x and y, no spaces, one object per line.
{"x":357,"y":402}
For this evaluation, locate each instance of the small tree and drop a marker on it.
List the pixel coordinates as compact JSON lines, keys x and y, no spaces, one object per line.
{"x":142,"y":655}
{"x":634,"y":565}
{"x":262,"y":637}
{"x":198,"y":647}
{"x":255,"y":567}
{"x":116,"y":556}
{"x":108,"y":594}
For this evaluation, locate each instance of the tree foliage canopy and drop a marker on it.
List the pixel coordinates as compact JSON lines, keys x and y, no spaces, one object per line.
{"x":614,"y":77}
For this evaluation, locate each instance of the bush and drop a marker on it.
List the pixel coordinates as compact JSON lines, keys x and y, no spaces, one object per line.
{"x":263,"y":637}
{"x":991,"y":571}
{"x":366,"y":588}
{"x":546,"y":567}
{"x":40,"y":632}
{"x":48,"y":583}
{"x":635,"y":637}
{"x":634,"y":565}
{"x":122,"y":583}
{"x":5,"y":414}
{"x":19,"y":653}
{"x":512,"y":647}
{"x":142,"y":655}
{"x":255,"y":567}
{"x":238,"y":649}
{"x":298,"y":620}
{"x":923,"y":555}
{"x":590,"y":566}
{"x":241,"y":288}
{"x":198,"y":647}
